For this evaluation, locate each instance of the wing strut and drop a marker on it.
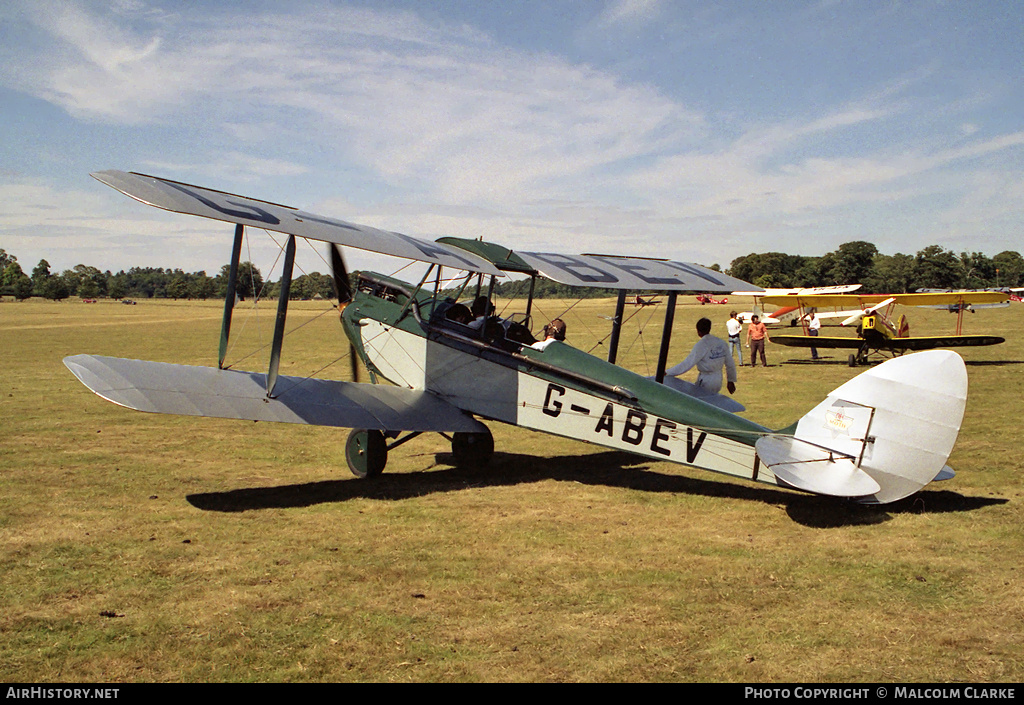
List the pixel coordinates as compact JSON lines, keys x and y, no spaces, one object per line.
{"x":666,"y":335}
{"x":229,"y":297}
{"x":282,"y":315}
{"x":620,"y":309}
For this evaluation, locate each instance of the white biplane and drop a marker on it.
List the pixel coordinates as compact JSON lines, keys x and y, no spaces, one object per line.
{"x":448,"y":375}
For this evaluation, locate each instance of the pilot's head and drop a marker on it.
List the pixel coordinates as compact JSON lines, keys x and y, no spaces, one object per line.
{"x":555,"y":329}
{"x":482,"y":307}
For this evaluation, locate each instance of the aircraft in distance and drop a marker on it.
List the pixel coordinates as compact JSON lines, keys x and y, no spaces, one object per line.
{"x":787,"y":312}
{"x":969,"y":307}
{"x":876,"y":333}
{"x":709,"y":299}
{"x":448,"y":371}
{"x":640,"y":301}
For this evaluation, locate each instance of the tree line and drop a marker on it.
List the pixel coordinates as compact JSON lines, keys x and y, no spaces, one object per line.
{"x":855,"y":262}
{"x":89,"y":282}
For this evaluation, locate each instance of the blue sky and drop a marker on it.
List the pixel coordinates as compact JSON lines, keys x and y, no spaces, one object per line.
{"x":698,"y":131}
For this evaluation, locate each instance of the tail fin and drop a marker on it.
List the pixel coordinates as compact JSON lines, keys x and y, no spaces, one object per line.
{"x":892,"y":427}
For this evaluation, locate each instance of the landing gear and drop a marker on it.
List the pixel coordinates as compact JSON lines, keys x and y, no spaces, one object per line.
{"x":471,"y":450}
{"x":366,"y":452}
{"x":853,"y":360}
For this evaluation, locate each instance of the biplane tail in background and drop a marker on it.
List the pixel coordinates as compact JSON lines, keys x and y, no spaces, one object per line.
{"x":877,"y":438}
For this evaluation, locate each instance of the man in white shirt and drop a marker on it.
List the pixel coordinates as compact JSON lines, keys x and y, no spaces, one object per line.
{"x":734,"y":327}
{"x":552,"y":332}
{"x":709,"y":355}
{"x":813,"y":326}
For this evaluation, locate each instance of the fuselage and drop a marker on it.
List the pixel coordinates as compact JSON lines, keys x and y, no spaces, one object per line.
{"x":404,"y":337}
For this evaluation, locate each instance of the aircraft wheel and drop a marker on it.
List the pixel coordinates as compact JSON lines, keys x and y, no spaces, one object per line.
{"x":472,"y":449}
{"x":366,"y":452}
{"x":853,"y":360}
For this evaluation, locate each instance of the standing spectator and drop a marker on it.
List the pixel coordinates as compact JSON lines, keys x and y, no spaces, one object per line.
{"x":757,"y":336}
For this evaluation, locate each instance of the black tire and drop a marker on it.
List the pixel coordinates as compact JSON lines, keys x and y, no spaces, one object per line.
{"x":472,"y":450}
{"x":366,"y":452}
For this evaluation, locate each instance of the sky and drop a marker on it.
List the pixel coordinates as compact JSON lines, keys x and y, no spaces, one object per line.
{"x":695,"y":131}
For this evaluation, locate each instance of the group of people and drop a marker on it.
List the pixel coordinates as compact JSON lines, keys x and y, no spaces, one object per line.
{"x":480,"y":316}
{"x":757,"y":336}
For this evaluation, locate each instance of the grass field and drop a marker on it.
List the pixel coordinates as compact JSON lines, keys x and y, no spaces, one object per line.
{"x":153,"y":548}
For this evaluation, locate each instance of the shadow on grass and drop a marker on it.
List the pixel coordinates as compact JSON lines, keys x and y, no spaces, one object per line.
{"x":608,"y":469}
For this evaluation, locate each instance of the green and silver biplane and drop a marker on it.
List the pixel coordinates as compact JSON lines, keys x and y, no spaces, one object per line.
{"x":448,"y":373}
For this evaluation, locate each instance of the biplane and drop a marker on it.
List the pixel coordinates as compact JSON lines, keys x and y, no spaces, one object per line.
{"x":788,"y":311}
{"x":641,"y":302}
{"x":433,"y":371}
{"x":709,"y":299}
{"x":877,"y":333}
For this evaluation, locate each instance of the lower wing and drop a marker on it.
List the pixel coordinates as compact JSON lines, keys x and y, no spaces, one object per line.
{"x":164,"y":388}
{"x":930,"y":343}
{"x":947,"y":341}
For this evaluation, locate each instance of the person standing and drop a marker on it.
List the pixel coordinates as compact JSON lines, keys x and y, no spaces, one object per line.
{"x":813,"y":326}
{"x":733,"y":327}
{"x":757,"y":336}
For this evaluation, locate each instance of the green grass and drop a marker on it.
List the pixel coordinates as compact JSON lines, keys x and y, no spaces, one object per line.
{"x":138,"y":547}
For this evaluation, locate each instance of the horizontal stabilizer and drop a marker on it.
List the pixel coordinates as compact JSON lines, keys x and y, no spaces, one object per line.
{"x":814,"y":469}
{"x":163,"y":388}
{"x":708,"y":397}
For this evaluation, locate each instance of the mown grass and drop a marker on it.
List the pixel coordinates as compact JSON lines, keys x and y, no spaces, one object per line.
{"x":152,"y":548}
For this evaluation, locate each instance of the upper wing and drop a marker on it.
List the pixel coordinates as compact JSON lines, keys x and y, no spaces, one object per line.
{"x":811,"y":291}
{"x":613,"y":272}
{"x":207,"y":203}
{"x":205,"y":391}
{"x":858,"y":300}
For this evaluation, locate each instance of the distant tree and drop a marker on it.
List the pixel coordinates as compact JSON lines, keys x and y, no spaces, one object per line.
{"x":71,"y":281}
{"x":178,"y":288}
{"x":248,"y":284}
{"x":936,"y":268}
{"x":21,"y":288}
{"x":1010,"y":266}
{"x":977,"y":271}
{"x":6,"y":259}
{"x":88,"y":281}
{"x":55,"y":289}
{"x":40,"y":276}
{"x":890,"y":274}
{"x":852,"y":262}
{"x":14,"y":282}
{"x":116,"y":286}
{"x":776,"y":267}
{"x":201,"y":286}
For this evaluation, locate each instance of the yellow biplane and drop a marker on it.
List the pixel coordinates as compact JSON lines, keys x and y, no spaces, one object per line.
{"x":877,"y":333}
